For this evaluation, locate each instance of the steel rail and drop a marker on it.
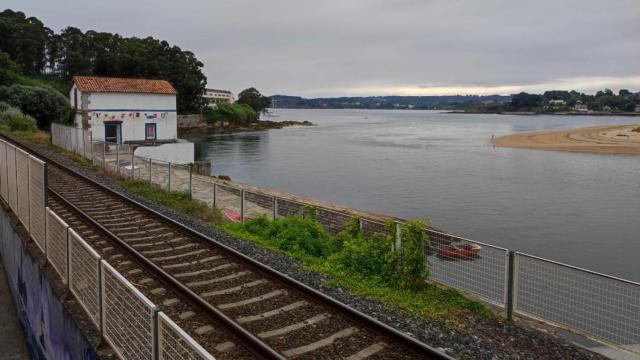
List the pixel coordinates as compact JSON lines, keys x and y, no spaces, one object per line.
{"x":354,"y":314}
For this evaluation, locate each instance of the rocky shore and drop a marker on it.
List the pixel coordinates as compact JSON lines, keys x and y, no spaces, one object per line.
{"x":228,"y":127}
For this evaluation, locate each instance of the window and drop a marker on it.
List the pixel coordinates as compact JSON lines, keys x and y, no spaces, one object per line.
{"x":150,"y":131}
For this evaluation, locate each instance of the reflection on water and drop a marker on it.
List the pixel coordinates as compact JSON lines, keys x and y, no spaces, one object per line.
{"x":577,"y":208}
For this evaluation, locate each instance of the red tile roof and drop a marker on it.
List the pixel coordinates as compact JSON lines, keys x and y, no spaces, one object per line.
{"x":122,"y":85}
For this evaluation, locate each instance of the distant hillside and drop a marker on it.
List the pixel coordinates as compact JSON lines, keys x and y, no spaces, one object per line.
{"x":453,"y":102}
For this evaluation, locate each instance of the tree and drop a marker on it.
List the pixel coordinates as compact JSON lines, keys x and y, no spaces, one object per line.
{"x":254,"y":99}
{"x":24,"y":39}
{"x":524,"y":101}
{"x":46,"y":105}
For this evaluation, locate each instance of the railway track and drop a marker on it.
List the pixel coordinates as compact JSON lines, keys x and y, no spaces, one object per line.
{"x":234,"y":306}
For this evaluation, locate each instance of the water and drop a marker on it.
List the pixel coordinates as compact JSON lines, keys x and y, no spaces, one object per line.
{"x":581,"y":209}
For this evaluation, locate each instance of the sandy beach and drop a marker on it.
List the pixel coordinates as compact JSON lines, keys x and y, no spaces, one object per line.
{"x":607,"y":139}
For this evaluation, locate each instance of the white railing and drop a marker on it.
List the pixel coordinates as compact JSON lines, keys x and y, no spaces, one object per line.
{"x":4,"y":188}
{"x":12,"y":191}
{"x":37,"y":201}
{"x":129,"y":318}
{"x":22,"y":186}
{"x":57,"y":244}
{"x":84,"y":275}
{"x":175,"y":344}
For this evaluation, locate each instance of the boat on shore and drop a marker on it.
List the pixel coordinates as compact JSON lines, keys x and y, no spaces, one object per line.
{"x":231,"y":215}
{"x":459,"y":250}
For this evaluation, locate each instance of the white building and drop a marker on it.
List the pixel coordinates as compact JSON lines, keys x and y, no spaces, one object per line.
{"x":579,"y":106}
{"x":140,"y":112}
{"x":214,"y":97}
{"x":556,"y":102}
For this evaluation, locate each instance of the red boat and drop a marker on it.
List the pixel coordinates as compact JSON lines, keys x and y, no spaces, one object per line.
{"x":459,"y":250}
{"x":231,"y":215}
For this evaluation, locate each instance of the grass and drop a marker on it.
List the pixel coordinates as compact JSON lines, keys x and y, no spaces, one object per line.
{"x":428,"y":301}
{"x":178,"y":201}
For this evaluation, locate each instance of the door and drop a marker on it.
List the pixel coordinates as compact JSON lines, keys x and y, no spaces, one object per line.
{"x":113,"y":133}
{"x":150,"y":132}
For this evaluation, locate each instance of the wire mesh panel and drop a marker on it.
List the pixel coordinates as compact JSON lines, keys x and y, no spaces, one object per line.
{"x":124,"y":160}
{"x":160,"y":173}
{"x":602,"y":306}
{"x":474,"y":267}
{"x":228,"y":198}
{"x":175,"y":344}
{"x":4,"y":188}
{"x":202,"y":188}
{"x":180,"y":177}
{"x":86,"y":144}
{"x":370,"y":227}
{"x":12,"y":191}
{"x":256,"y":204}
{"x":84,"y":275}
{"x":111,"y":157}
{"x":289,"y":207}
{"x":98,"y":152}
{"x":37,"y":201}
{"x":129,"y":322}
{"x":22,"y":186}
{"x":141,"y":168}
{"x":57,"y":245}
{"x":333,"y":221}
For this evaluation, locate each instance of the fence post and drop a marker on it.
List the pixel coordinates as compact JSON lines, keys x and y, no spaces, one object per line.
{"x":398,"y":244}
{"x":133,"y":160}
{"x":190,"y":180}
{"x":241,"y":206}
{"x":104,"y":155}
{"x":275,"y":207}
{"x":91,"y":144}
{"x":150,"y":163}
{"x":510,"y":284}
{"x":169,"y":176}
{"x":117,"y":159}
{"x":214,"y":195}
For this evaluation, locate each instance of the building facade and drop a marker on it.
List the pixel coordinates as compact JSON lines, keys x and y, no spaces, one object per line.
{"x":120,"y":110}
{"x":214,"y":97}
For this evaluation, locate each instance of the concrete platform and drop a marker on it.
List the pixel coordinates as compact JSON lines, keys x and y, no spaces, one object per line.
{"x":12,"y":342}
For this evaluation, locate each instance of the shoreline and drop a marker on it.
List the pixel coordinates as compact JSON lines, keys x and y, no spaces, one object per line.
{"x":602,"y":139}
{"x":262,"y":125}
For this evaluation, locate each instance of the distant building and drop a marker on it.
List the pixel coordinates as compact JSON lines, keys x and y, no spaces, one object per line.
{"x":579,"y":106}
{"x":554,"y":102}
{"x":638,"y":108}
{"x":214,"y":97}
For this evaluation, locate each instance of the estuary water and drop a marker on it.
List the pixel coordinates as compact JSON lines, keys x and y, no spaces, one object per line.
{"x":580,"y":209}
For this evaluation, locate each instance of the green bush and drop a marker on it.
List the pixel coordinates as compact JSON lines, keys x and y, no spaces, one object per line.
{"x":234,"y":113}
{"x":15,"y":120}
{"x":44,"y":104}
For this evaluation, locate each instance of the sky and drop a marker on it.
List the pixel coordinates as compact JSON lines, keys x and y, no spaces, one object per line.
{"x":381,"y":47}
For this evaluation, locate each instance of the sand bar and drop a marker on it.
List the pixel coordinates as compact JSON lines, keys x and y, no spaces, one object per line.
{"x":604,"y":139}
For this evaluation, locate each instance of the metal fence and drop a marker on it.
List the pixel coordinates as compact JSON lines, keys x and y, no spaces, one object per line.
{"x":128,"y":318}
{"x":37,"y":201}
{"x":22,"y":186}
{"x":175,"y":344}
{"x":84,"y":275}
{"x":76,"y":140}
{"x":4,"y":190}
{"x":12,"y":193}
{"x":482,"y":270}
{"x":595,"y":304}
{"x":57,"y":244}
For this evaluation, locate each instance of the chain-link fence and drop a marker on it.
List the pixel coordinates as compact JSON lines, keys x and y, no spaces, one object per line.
{"x":84,"y":275}
{"x":57,"y":244}
{"x":175,"y":344}
{"x":599,"y":305}
{"x":129,"y":323}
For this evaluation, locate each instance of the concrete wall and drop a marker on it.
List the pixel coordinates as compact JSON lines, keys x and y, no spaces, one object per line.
{"x":134,"y":110}
{"x":190,"y":121}
{"x":51,"y":331}
{"x":177,"y":153}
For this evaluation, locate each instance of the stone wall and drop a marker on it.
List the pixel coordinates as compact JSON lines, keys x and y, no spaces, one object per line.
{"x":190,"y":121}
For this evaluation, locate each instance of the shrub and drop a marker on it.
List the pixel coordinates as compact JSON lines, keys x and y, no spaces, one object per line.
{"x":15,"y":119}
{"x":44,"y":104}
{"x":636,"y":129}
{"x":234,"y":113}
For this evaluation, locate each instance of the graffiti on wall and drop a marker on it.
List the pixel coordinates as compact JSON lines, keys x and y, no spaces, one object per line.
{"x":50,"y":331}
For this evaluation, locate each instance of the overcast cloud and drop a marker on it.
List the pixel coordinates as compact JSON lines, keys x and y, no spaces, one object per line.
{"x":375,"y":47}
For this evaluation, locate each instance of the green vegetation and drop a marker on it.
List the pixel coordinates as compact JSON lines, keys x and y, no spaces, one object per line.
{"x":179,"y":201}
{"x":254,"y":99}
{"x":233,"y":113}
{"x":636,"y":129}
{"x":36,"y":49}
{"x":365,"y":265}
{"x":44,"y":104}
{"x":14,"y":119}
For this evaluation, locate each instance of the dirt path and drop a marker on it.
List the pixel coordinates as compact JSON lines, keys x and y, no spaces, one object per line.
{"x":607,"y":139}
